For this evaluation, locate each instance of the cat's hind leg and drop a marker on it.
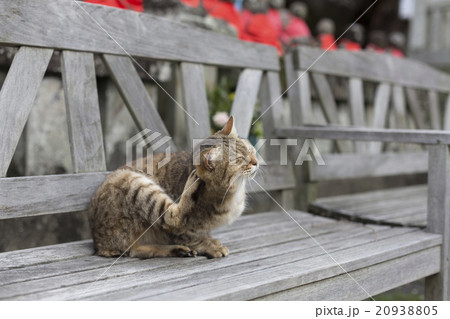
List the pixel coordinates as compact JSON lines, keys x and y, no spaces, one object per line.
{"x":151,"y":251}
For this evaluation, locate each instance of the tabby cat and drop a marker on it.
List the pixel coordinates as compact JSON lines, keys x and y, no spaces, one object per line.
{"x":137,"y":214}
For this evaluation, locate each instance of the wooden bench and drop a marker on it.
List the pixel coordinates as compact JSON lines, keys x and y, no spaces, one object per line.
{"x":405,"y":94}
{"x":274,"y":255}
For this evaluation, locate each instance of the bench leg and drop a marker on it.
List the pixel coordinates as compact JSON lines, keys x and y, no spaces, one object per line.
{"x":437,"y":287}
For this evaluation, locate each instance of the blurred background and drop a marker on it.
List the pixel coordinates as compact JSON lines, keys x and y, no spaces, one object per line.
{"x":419,"y":29}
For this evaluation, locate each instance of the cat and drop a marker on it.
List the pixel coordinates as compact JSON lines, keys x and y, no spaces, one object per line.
{"x":137,"y":214}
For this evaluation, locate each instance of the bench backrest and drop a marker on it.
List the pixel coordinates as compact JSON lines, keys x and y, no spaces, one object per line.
{"x":80,"y":30}
{"x":407,"y":94}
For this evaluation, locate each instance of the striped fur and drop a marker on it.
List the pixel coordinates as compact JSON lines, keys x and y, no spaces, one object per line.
{"x":172,"y":211}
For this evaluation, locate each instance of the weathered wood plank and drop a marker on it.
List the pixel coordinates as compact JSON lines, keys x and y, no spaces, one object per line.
{"x":447,"y":114}
{"x":279,"y":276}
{"x":182,"y":283}
{"x":43,"y":195}
{"x":343,"y":287}
{"x":294,"y":89}
{"x":195,"y":102}
{"x":134,"y":94}
{"x":357,"y":108}
{"x":381,"y":105}
{"x":167,"y":267}
{"x":127,"y":277}
{"x":389,"y":69}
{"x":17,"y":96}
{"x":416,"y":110}
{"x":361,"y":134}
{"x":399,"y":103}
{"x":328,"y":103}
{"x":401,"y":207}
{"x":101,"y":30}
{"x":433,"y":104}
{"x":437,"y":287}
{"x":41,"y":255}
{"x":344,"y":166}
{"x":434,"y":33}
{"x":83,"y":113}
{"x":273,"y":177}
{"x":245,"y":100}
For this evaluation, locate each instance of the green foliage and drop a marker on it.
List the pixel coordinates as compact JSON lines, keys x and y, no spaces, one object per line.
{"x":221,"y":99}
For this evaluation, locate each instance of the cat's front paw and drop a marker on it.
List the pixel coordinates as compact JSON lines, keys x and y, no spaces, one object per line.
{"x":216,"y":252}
{"x":191,"y":183}
{"x":183,"y":251}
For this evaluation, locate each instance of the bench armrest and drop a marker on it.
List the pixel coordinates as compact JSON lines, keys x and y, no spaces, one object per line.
{"x":428,"y":137}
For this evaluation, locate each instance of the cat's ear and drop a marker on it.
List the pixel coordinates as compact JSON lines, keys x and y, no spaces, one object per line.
{"x":208,"y":158}
{"x":229,"y":128}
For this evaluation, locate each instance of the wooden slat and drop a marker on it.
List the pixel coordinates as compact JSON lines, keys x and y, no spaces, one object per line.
{"x":195,"y":102}
{"x":245,"y":100}
{"x":43,"y":195}
{"x":273,"y":177}
{"x":357,"y":108}
{"x":447,"y":28}
{"x":405,"y":206}
{"x":134,"y":94}
{"x":416,"y":110}
{"x":292,"y":240}
{"x":344,"y":166}
{"x":434,"y":33}
{"x":271,"y":103}
{"x":438,"y":287}
{"x":399,"y":103}
{"x":433,"y":104}
{"x":17,"y":96}
{"x":328,"y":103}
{"x":447,"y":114}
{"x":83,"y":113}
{"x":240,"y":262}
{"x":259,"y":282}
{"x":389,"y":69}
{"x":101,"y":30}
{"x":360,"y":134}
{"x":343,"y":287}
{"x":381,"y":105}
{"x":294,"y":89}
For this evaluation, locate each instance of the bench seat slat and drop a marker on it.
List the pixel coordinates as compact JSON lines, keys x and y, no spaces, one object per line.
{"x":342,"y":288}
{"x":252,"y":264}
{"x":404,"y":206}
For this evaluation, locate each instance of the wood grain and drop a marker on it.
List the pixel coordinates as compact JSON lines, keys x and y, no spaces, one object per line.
{"x":134,"y":94}
{"x":43,"y":195}
{"x":195,"y":102}
{"x":389,"y":69}
{"x":83,"y":113}
{"x":360,"y":134}
{"x":17,"y":96}
{"x":101,"y":29}
{"x":245,"y":99}
{"x":438,"y":287}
